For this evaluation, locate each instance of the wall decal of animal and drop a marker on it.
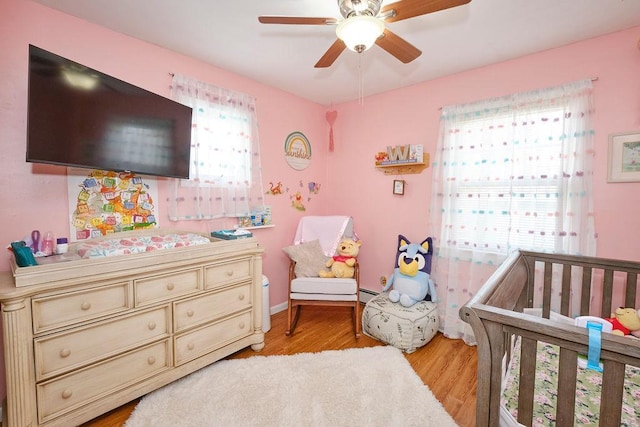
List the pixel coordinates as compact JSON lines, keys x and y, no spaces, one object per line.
{"x":275,"y":189}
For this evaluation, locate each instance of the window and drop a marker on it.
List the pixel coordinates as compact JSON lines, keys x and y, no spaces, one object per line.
{"x":225,"y":175}
{"x":509,"y":173}
{"x":508,"y":194}
{"x":221,"y":154}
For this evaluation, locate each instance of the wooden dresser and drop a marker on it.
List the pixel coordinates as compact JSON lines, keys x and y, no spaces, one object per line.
{"x":85,"y":336}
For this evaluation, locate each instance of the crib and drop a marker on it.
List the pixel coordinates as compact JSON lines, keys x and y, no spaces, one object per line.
{"x":537,"y":280}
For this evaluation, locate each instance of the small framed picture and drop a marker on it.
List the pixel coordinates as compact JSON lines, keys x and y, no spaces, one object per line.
{"x":398,"y":186}
{"x":624,"y":157}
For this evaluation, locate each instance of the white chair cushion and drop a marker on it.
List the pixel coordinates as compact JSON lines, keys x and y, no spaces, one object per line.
{"x":323,"y":297}
{"x":320,"y":285}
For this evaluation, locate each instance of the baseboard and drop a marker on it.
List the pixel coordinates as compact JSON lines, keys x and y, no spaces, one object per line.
{"x":278,"y":308}
{"x":367,"y":295}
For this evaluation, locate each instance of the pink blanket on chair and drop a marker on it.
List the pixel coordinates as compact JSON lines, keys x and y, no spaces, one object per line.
{"x":327,"y":229}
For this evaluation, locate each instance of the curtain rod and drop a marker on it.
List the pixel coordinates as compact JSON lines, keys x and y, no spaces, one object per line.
{"x":593,"y":79}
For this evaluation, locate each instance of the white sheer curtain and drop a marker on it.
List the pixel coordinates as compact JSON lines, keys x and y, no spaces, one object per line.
{"x":225,"y":170}
{"x":509,"y":173}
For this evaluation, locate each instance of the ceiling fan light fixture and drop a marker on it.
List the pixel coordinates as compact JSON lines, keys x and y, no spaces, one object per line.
{"x":360,"y":32}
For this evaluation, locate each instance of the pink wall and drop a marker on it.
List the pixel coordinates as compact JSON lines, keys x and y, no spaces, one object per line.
{"x":34,"y":196}
{"x":411,"y":115}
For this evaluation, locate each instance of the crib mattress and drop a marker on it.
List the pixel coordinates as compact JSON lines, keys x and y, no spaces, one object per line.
{"x":588,"y":386}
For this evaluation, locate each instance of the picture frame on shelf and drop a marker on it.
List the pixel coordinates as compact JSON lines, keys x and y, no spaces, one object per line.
{"x":398,"y":186}
{"x":624,"y":157}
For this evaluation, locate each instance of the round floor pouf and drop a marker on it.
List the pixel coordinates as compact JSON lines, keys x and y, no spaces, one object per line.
{"x":406,"y":328}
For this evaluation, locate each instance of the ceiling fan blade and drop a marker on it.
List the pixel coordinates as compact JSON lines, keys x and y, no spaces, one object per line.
{"x":331,"y":54}
{"x":296,"y":20}
{"x":398,"y":47}
{"x":409,"y":8}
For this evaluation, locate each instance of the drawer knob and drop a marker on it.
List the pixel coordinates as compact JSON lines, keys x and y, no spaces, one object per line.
{"x":152,"y":326}
{"x":170,"y":286}
{"x":241,"y":297}
{"x":151,"y":360}
{"x":241,"y":325}
{"x":191,"y":346}
{"x":85,"y":306}
{"x":65,"y":352}
{"x":190,"y":313}
{"x":229,"y":273}
{"x":67,"y":394}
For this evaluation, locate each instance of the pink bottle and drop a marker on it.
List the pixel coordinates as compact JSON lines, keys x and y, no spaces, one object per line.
{"x":47,"y":244}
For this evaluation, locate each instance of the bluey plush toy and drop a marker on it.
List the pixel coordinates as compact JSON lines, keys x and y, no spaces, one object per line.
{"x":410,"y":279}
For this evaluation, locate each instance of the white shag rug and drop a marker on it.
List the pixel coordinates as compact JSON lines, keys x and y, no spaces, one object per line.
{"x":374,"y":386}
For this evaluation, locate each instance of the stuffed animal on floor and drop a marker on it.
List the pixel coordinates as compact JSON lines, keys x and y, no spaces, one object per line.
{"x":410,"y":279}
{"x":342,"y":265}
{"x":625,"y":321}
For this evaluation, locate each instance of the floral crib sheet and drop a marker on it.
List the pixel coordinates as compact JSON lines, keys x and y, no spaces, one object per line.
{"x":588,"y":386}
{"x":139,"y":244}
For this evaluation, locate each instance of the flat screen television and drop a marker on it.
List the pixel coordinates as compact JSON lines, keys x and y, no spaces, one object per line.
{"x":80,"y":117}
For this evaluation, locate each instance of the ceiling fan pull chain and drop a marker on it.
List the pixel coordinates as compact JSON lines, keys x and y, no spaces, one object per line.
{"x":360,"y":78}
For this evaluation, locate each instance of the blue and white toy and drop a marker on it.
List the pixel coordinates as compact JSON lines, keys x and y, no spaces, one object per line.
{"x":410,"y":279}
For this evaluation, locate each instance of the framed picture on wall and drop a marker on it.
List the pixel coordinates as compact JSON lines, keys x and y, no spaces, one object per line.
{"x":624,"y":157}
{"x":398,"y":186}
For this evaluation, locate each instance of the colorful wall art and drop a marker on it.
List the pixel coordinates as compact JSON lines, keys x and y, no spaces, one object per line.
{"x":105,"y":202}
{"x":297,"y":150}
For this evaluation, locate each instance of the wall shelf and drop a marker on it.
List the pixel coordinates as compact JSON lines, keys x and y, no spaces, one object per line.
{"x":404,"y":168}
{"x":256,"y":227}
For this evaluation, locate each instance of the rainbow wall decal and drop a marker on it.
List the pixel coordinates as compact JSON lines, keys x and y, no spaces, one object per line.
{"x":297,"y":150}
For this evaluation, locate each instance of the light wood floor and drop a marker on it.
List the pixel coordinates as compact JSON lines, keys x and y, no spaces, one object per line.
{"x":447,"y":366}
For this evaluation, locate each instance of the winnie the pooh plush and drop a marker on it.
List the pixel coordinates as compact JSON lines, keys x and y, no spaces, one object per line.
{"x":342,"y":264}
{"x":625,"y":321}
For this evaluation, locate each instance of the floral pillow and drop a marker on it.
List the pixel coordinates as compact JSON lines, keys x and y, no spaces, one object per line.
{"x":309,"y":258}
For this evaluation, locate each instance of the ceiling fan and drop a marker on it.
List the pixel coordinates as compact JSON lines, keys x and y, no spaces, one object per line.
{"x":364,"y":24}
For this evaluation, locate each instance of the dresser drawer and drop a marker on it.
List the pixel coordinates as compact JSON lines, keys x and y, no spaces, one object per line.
{"x":211,"y":337}
{"x":206,"y":308}
{"x":218,"y":275}
{"x":166,"y":287}
{"x":54,"y":311}
{"x":56,"y":354}
{"x":69,"y":392}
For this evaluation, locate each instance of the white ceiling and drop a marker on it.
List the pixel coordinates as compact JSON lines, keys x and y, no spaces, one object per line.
{"x":226,"y":33}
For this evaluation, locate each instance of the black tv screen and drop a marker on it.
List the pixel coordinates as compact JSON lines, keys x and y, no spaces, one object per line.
{"x":81,"y":117}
